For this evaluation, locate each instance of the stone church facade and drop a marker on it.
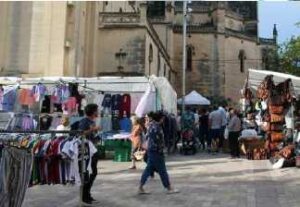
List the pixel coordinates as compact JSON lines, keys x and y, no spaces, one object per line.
{"x":133,"y":38}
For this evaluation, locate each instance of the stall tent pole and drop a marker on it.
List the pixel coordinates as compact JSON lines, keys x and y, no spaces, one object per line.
{"x":184,"y":54}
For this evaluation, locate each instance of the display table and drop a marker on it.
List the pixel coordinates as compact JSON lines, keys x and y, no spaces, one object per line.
{"x":121,"y":145}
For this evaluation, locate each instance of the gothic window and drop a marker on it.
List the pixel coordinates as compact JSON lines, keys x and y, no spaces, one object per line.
{"x":165,"y":70}
{"x":156,"y":9}
{"x":189,"y":58}
{"x":242,"y":57}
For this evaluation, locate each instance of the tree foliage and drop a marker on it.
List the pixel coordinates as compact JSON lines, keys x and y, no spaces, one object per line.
{"x":289,"y":56}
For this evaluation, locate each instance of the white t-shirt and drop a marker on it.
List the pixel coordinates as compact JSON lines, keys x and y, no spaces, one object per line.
{"x":196,"y":119}
{"x":215,"y":118}
{"x":223,"y":114}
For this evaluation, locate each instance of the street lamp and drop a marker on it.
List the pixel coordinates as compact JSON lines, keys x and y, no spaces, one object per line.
{"x":121,"y":57}
{"x":184,"y":54}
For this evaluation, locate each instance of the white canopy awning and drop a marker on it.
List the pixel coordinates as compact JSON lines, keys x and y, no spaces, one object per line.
{"x":111,"y":84}
{"x":257,"y":76}
{"x":194,"y":98}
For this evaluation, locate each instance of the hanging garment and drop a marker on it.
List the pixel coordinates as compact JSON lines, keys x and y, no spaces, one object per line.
{"x":106,"y":123}
{"x":46,"y":105}
{"x":125,"y":105}
{"x":70,"y":106}
{"x":25,"y":97}
{"x":147,"y":103}
{"x":45,"y":122}
{"x":107,"y":101}
{"x":116,"y":101}
{"x":115,"y":121}
{"x":9,"y":99}
{"x":15,"y":172}
{"x":98,"y":99}
{"x":73,"y":88}
{"x":125,"y":124}
{"x":38,"y":91}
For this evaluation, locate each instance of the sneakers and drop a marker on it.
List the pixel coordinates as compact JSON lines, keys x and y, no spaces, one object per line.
{"x":278,"y":164}
{"x":172,"y":191}
{"x":141,"y":191}
{"x":94,"y":201}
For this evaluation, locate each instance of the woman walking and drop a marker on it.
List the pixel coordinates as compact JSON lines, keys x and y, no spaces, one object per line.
{"x":136,"y":139}
{"x":155,"y":154}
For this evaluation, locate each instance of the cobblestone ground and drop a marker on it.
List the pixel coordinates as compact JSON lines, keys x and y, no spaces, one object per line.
{"x":204,"y":181}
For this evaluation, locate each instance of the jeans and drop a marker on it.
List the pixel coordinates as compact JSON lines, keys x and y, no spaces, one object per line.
{"x":15,"y":173}
{"x":234,"y":144}
{"x":156,"y":162}
{"x":214,"y":134}
{"x":203,"y":136}
{"x":89,"y":179}
{"x":222,"y":138}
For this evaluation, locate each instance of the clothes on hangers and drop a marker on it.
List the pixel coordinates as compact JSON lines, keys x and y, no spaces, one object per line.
{"x":13,"y":184}
{"x":9,"y":98}
{"x":45,"y":122}
{"x":125,"y":105}
{"x":46,"y":104}
{"x":22,"y":121}
{"x":38,"y":92}
{"x":25,"y":97}
{"x":107,"y":101}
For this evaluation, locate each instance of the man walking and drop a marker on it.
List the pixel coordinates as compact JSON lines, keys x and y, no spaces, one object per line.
{"x":215,"y":124}
{"x":223,"y":127}
{"x":90,"y":129}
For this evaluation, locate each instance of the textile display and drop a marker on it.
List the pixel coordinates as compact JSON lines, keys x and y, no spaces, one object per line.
{"x":15,"y":170}
{"x":147,"y":103}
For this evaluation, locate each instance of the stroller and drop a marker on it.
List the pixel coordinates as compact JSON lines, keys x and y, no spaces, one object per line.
{"x":189,"y":146}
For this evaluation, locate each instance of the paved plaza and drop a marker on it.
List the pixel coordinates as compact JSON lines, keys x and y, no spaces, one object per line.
{"x":204,"y":181}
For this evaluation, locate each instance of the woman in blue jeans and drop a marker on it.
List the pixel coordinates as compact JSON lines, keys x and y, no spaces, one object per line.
{"x":155,"y":153}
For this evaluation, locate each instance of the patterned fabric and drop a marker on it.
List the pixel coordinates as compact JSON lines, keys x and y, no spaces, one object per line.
{"x":155,"y":137}
{"x":187,"y":121}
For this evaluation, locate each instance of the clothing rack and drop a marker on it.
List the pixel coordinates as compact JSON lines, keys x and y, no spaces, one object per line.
{"x":54,"y":132}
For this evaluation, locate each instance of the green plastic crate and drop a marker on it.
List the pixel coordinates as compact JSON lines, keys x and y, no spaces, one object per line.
{"x":122,"y":155}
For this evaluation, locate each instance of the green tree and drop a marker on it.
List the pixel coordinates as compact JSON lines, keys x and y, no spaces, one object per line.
{"x":289,"y":56}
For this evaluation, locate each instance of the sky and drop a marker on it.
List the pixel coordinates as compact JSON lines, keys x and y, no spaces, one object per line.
{"x":282,"y":13}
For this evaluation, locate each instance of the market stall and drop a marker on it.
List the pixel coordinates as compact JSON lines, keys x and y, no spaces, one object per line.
{"x":273,"y":106}
{"x":194,"y":98}
{"x":40,"y":103}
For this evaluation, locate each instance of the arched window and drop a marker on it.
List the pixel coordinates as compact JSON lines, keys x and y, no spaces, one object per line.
{"x":242,"y":57}
{"x":189,"y":58}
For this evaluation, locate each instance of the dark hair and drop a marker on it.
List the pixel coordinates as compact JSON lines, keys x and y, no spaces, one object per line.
{"x":90,"y":109}
{"x":203,"y":111}
{"x":151,"y":115}
{"x":160,"y":115}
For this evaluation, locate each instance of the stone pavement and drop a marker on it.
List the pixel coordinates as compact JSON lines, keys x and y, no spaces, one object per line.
{"x":204,"y":181}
